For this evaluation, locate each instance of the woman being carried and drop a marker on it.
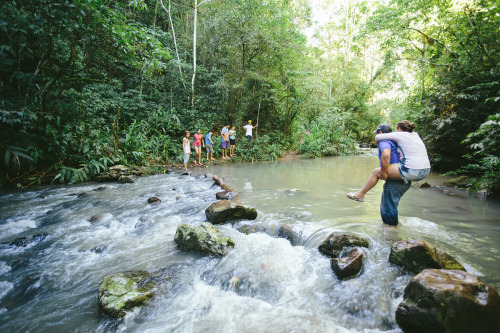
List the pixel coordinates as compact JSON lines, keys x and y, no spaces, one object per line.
{"x":414,"y":163}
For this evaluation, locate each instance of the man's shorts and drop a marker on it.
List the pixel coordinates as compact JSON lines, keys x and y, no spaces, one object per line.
{"x":232,"y":142}
{"x":225,"y":144}
{"x":210,"y":149}
{"x":249,"y":138}
{"x":410,"y":175}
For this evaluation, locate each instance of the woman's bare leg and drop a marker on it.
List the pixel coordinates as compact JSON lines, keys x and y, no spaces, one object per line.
{"x":392,"y":172}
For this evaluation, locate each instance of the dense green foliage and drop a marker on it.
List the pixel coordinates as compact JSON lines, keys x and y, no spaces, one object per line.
{"x":89,"y":83}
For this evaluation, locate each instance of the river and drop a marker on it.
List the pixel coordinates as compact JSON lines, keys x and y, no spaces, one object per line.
{"x":51,"y":285}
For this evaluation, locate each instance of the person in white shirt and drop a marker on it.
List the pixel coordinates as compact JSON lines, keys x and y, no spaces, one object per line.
{"x":249,"y":129}
{"x":414,"y":163}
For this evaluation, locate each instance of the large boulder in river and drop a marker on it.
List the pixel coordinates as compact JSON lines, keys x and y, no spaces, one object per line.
{"x":126,"y":179}
{"x":227,"y":211}
{"x":417,"y":255}
{"x":348,"y":266}
{"x":337,"y":242}
{"x":204,"y":239}
{"x":444,"y":301}
{"x":122,"y":292}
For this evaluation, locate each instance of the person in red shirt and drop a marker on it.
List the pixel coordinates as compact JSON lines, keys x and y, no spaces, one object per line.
{"x":198,"y":140}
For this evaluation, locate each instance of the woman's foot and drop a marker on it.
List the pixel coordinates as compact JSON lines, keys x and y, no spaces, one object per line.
{"x":355,"y":197}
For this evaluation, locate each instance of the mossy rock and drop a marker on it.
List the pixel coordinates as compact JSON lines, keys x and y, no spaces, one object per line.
{"x":337,"y":242}
{"x":203,"y":239}
{"x":459,"y":182}
{"x":417,"y":255}
{"x":229,"y":211}
{"x":119,"y":293}
{"x":447,"y":301}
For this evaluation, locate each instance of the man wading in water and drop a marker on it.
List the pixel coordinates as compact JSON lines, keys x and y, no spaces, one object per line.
{"x":393,"y":188}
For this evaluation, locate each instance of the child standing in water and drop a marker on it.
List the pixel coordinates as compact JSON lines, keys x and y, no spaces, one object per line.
{"x":186,"y":148}
{"x":210,"y":146}
{"x":198,"y":140}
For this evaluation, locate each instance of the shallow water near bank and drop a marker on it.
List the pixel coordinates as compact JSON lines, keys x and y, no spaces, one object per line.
{"x":265,"y":284}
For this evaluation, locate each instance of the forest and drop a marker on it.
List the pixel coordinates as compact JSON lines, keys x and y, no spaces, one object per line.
{"x":85,"y":84}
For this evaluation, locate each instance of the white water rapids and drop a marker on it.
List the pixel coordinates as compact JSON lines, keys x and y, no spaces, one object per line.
{"x":51,"y":285}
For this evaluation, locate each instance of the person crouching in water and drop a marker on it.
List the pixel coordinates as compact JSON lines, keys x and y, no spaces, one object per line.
{"x":186,"y":148}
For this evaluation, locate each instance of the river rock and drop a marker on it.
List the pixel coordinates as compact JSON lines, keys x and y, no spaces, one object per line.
{"x":122,"y":292}
{"x":95,"y":218}
{"x":446,"y":301}
{"x":107,"y":176}
{"x":204,"y":239}
{"x":225,"y":195}
{"x":337,"y":242}
{"x":227,"y":211}
{"x":417,"y":255}
{"x":348,"y":266}
{"x":459,"y":182}
{"x":217,"y":180}
{"x":154,"y":200}
{"x":287,"y":232}
{"x":119,"y":168}
{"x":424,"y":185}
{"x":25,"y":240}
{"x":126,"y":179}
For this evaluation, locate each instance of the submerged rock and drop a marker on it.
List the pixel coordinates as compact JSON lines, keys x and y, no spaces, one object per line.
{"x":204,"y":239}
{"x":122,"y":292}
{"x":95,"y":218}
{"x":425,"y":185}
{"x":348,"y":266}
{"x":444,"y":301}
{"x":82,"y":195}
{"x":287,"y":232}
{"x":337,"y":242}
{"x":25,"y":240}
{"x":417,"y":255}
{"x":227,"y":211}
{"x":225,"y":195}
{"x":154,"y":200}
{"x":124,"y":179}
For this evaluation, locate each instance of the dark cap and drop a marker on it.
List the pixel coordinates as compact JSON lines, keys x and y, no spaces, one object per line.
{"x":385,"y":128}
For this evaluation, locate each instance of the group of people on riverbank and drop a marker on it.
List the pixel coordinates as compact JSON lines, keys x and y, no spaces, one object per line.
{"x":228,"y":141}
{"x":403,"y":159}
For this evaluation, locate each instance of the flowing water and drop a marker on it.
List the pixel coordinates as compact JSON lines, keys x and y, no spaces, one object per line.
{"x":264,"y":284}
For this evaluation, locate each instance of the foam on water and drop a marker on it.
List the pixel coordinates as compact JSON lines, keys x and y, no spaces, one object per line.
{"x":264,"y":284}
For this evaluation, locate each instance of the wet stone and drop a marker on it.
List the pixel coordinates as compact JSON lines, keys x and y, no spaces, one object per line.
{"x":82,"y":195}
{"x":448,"y":301}
{"x":337,"y":242}
{"x":203,"y":239}
{"x":95,"y":218}
{"x":122,"y":292}
{"x":225,"y":195}
{"x":126,"y":179}
{"x":154,"y":200}
{"x":25,"y":240}
{"x":417,"y":255}
{"x":229,"y":211}
{"x":348,"y":266}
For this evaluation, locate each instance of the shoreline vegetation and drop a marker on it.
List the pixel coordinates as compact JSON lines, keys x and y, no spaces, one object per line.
{"x":87,"y":84}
